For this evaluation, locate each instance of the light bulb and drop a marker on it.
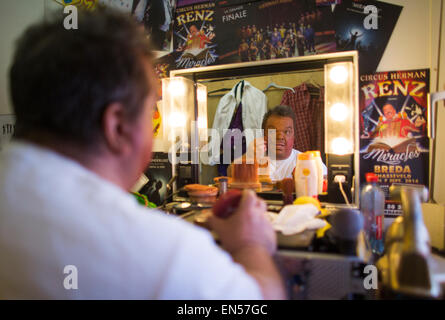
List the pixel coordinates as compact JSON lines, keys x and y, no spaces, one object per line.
{"x":339,"y":112}
{"x":341,"y":146}
{"x":338,"y":74}
{"x":202,"y":95}
{"x":177,"y":120}
{"x":202,"y":122}
{"x":176,"y":88}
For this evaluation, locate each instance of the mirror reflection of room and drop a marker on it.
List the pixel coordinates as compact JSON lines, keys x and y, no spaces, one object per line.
{"x":291,"y":103}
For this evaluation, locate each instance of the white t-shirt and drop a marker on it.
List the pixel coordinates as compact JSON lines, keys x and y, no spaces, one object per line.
{"x":55,"y":213}
{"x":280,"y":169}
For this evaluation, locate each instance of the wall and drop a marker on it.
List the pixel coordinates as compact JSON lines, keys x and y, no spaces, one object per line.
{"x":440,"y":86}
{"x":414,"y":44}
{"x":16,"y":15}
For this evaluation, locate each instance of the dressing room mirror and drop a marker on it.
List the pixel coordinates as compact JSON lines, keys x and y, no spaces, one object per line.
{"x":299,"y":83}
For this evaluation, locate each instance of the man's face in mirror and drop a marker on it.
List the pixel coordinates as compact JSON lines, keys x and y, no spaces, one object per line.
{"x":284,"y":127}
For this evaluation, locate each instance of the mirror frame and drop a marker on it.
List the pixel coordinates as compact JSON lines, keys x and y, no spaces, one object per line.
{"x":274,"y":66}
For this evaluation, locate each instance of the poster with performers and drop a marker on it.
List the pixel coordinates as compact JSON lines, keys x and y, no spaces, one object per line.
{"x":157,"y":18}
{"x":271,"y":29}
{"x":159,"y":174}
{"x":394,"y":143}
{"x":352,"y":33}
{"x":194,"y":38}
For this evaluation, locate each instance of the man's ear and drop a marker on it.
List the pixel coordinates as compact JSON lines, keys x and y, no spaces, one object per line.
{"x":116,"y":129}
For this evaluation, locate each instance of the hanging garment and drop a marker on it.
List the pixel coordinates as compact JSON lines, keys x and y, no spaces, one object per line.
{"x":253,"y":107}
{"x":309,"y":111}
{"x":317,"y":136}
{"x":228,"y":141}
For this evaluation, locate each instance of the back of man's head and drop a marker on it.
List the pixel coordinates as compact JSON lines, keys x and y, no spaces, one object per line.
{"x":61,"y":81}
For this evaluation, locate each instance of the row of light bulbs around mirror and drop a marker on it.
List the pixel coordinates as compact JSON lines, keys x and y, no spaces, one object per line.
{"x":339,"y":135}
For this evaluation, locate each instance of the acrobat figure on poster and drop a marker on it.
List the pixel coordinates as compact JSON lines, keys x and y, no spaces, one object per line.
{"x":197,"y":38}
{"x":354,"y":37}
{"x":368,"y":121}
{"x":396,"y":124}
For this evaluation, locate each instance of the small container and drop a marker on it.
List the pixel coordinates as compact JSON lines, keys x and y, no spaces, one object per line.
{"x":201,"y":194}
{"x":319,"y":163}
{"x":287,"y":186}
{"x":372,"y":206}
{"x":223,"y":184}
{"x":306,"y":181}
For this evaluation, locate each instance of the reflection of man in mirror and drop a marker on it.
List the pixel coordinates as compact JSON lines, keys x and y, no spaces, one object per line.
{"x":282,"y":119}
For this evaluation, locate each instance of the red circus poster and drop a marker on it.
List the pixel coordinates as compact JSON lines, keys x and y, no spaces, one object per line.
{"x":394,"y":141}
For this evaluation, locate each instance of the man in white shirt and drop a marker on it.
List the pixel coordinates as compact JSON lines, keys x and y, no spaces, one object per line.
{"x":281,"y":119}
{"x":69,"y":229}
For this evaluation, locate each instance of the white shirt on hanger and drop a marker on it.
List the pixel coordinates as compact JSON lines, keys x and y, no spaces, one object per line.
{"x":62,"y":225}
{"x":254,"y":104}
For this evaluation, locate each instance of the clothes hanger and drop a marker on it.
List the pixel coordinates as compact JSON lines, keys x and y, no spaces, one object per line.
{"x":219,"y":90}
{"x":312,"y":82}
{"x":313,"y":87}
{"x":274,"y":85}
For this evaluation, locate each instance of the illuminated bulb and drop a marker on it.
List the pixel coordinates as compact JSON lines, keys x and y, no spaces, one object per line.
{"x":176,"y":88}
{"x":202,"y":95}
{"x":338,"y":74}
{"x":341,"y":146}
{"x":338,"y":112}
{"x":202,"y":122}
{"x":177,"y":120}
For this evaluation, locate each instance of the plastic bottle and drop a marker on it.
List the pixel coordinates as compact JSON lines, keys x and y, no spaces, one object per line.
{"x":373,"y":209}
{"x":319,"y":163}
{"x":306,"y":180}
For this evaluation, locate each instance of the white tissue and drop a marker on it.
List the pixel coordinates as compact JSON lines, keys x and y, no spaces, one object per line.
{"x":297,"y":218}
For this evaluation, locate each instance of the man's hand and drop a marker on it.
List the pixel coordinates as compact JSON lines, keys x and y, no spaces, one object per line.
{"x":246,"y":227}
{"x":250,"y":238}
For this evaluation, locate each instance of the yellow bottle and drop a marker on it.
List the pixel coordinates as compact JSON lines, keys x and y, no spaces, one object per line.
{"x":306,"y":183}
{"x":319,"y":164}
